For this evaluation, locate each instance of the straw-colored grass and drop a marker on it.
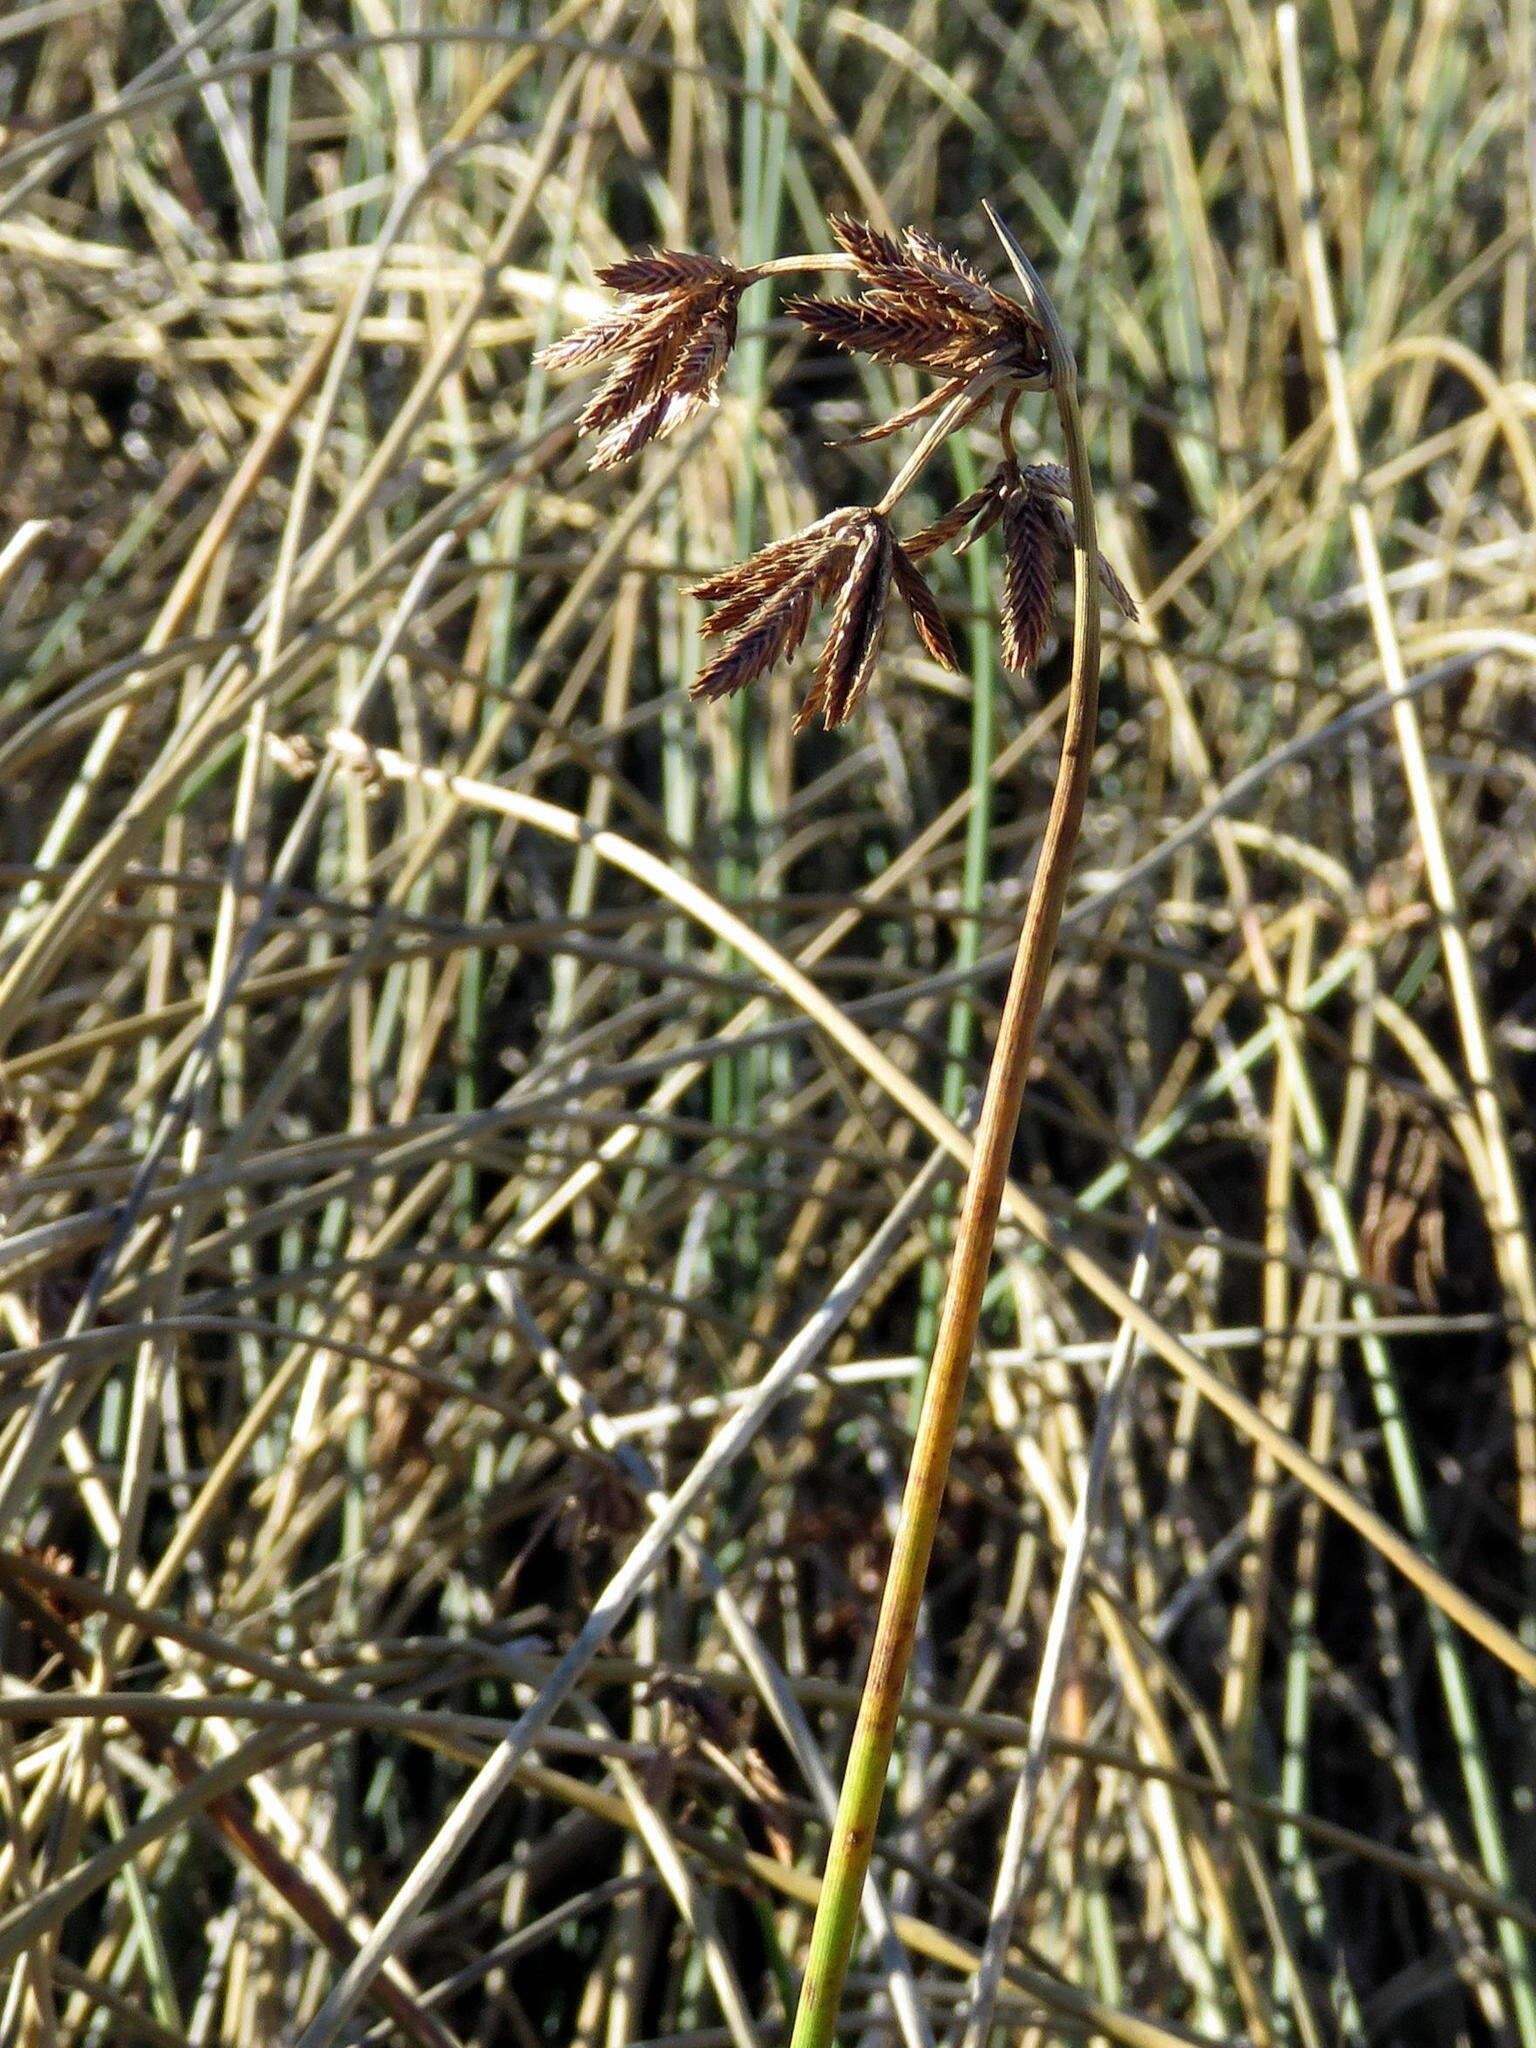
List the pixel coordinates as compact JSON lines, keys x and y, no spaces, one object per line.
{"x":480,"y":1130}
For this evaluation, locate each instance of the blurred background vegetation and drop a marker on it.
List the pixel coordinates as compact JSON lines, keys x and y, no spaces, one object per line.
{"x":386,"y":1173}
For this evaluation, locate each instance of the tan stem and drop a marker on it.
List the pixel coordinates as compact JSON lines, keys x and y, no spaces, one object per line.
{"x":797,"y":266}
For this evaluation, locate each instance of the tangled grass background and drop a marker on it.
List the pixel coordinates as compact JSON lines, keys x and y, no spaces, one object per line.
{"x":386,"y":1170}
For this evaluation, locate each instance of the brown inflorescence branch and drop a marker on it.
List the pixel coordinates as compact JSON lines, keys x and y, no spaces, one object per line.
{"x":926,"y":307}
{"x":764,"y":605}
{"x":918,"y":304}
{"x":669,"y":346}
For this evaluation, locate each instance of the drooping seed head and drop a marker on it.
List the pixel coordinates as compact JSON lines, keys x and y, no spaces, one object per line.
{"x":925,"y":306}
{"x":669,"y":346}
{"x":763,"y":607}
{"x":1032,"y":503}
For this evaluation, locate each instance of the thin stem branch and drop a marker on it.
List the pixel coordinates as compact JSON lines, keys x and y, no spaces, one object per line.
{"x":1005,"y":425}
{"x":874,"y":1732}
{"x":798,"y":266}
{"x":962,"y":407}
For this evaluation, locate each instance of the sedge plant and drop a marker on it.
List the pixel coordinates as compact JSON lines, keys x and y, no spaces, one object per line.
{"x":665,"y":348}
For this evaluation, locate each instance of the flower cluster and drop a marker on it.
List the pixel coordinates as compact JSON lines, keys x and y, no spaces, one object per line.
{"x":669,"y":347}
{"x":926,"y":306}
{"x":764,"y":606}
{"x":1032,"y":501}
{"x":920,"y":305}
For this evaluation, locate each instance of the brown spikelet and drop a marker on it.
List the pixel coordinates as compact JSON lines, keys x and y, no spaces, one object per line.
{"x":950,"y":271}
{"x":926,"y":306}
{"x":1117,"y":593}
{"x":649,"y":354}
{"x":876,"y":253}
{"x":889,"y":332}
{"x":994,"y":494}
{"x":595,"y":343}
{"x":686,"y":383}
{"x":909,"y":415}
{"x":667,"y":270}
{"x":739,"y":590}
{"x":923,"y":608}
{"x":764,"y":604}
{"x":853,"y":640}
{"x":628,"y":434}
{"x":945,"y":528}
{"x":1029,"y":576}
{"x":922,"y":248}
{"x":669,"y":346}
{"x":772,"y":632}
{"x":886,"y":264}
{"x":1051,"y":476}
{"x":763,"y":607}
{"x":1039,"y":531}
